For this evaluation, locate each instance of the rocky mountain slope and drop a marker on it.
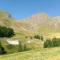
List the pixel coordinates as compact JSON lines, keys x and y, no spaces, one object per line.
{"x":38,"y":23}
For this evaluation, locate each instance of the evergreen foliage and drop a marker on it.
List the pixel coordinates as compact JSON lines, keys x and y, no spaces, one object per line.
{"x":6,"y":32}
{"x":48,"y":43}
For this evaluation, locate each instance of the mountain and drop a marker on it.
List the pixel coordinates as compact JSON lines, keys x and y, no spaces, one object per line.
{"x":19,"y":27}
{"x":44,"y":24}
{"x":36,"y":24}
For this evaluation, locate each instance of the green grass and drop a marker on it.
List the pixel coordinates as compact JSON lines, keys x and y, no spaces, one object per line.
{"x":38,"y":54}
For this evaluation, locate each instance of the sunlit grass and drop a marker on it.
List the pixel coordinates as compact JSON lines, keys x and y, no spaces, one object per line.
{"x":38,"y":54}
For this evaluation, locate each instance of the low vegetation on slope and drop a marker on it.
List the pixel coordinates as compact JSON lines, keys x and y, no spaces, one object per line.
{"x":40,"y":54}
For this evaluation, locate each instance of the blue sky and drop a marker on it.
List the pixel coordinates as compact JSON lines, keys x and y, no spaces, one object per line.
{"x":25,"y":8}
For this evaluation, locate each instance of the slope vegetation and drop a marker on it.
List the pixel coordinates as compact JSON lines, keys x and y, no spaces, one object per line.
{"x":40,"y":54}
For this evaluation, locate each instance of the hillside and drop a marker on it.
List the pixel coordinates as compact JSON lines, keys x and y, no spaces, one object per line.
{"x":36,"y":24}
{"x":26,"y":31}
{"x":39,"y":54}
{"x":44,"y":24}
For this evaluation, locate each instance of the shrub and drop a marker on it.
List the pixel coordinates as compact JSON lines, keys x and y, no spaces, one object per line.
{"x":2,"y":50}
{"x":56,"y":42}
{"x":20,"y":48}
{"x":48,"y":43}
{"x":38,"y":37}
{"x":41,"y":37}
{"x":25,"y":47}
{"x":12,"y":48}
{"x":6,"y":32}
{"x":9,"y":46}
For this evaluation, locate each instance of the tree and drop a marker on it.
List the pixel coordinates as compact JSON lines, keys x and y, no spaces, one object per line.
{"x":39,"y":37}
{"x":20,"y":48}
{"x":2,"y":50}
{"x":56,"y":42}
{"x":48,"y":43}
{"x":25,"y":47}
{"x":9,"y":32}
{"x":6,"y":32}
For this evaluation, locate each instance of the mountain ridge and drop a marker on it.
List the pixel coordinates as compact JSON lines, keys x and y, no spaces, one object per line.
{"x":38,"y":23}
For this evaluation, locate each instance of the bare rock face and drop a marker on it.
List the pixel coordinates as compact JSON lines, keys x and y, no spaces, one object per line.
{"x":44,"y":23}
{"x":38,"y":19}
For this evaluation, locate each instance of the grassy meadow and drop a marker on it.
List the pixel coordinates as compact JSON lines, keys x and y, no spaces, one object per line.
{"x":37,"y":54}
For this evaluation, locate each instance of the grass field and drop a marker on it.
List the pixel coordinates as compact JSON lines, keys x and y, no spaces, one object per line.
{"x":38,"y":54}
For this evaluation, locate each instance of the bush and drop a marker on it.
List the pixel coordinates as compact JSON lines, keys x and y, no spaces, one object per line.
{"x":2,"y":50}
{"x":12,"y":48}
{"x":56,"y":42}
{"x":20,"y":48}
{"x":26,"y":48}
{"x":9,"y":46}
{"x":41,"y":37}
{"x":48,"y":43}
{"x":23,"y":47}
{"x":38,"y":37}
{"x":6,"y":32}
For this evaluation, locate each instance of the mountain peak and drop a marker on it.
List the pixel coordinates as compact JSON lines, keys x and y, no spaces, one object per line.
{"x":41,"y":14}
{"x":38,"y":18}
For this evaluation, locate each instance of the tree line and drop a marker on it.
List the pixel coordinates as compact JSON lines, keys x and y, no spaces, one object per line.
{"x":55,"y":42}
